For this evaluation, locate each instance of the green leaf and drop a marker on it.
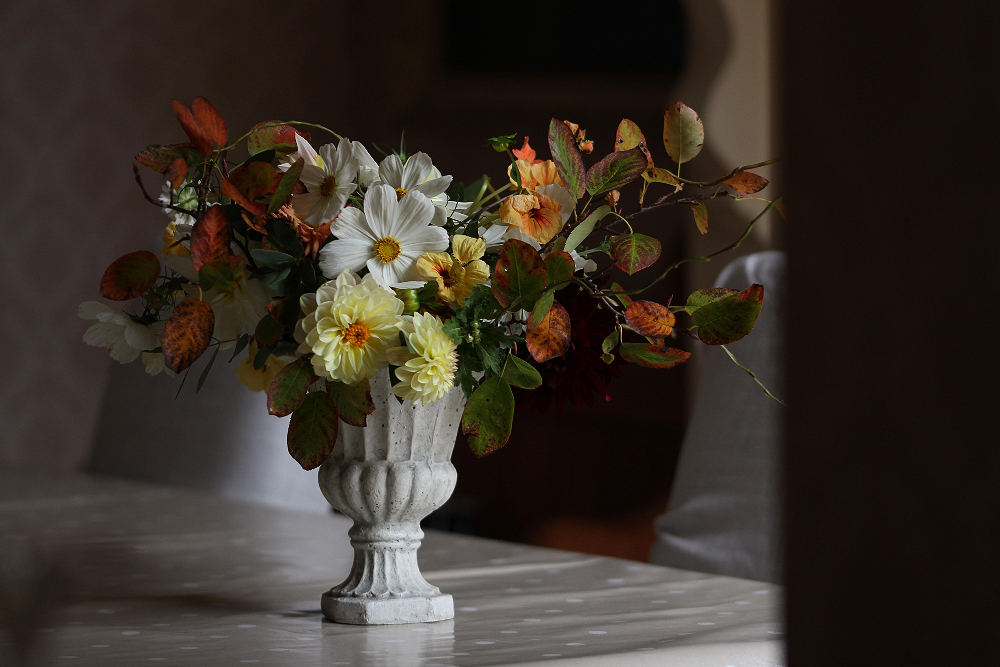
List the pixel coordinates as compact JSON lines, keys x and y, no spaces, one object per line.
{"x":285,"y":186}
{"x":559,"y":266}
{"x":623,"y":299}
{"x":208,"y":368}
{"x":502,"y":142}
{"x":266,"y":156}
{"x":289,"y":388}
{"x":616,"y":170}
{"x":520,"y":373}
{"x":541,"y":309}
{"x":611,"y":342}
{"x":489,"y":416}
{"x":730,"y":318}
{"x":241,"y":345}
{"x":519,"y":275}
{"x":272,"y":259}
{"x":312,"y":431}
{"x":634,"y":252}
{"x":657,"y":175}
{"x":565,"y":154}
{"x":276,"y":280}
{"x":683,"y":132}
{"x":284,"y":237}
{"x":652,"y":356}
{"x":268,"y":331}
{"x":583,"y":230}
{"x":700,"y":216}
{"x":262,"y":355}
{"x":704,"y":297}
{"x":222,"y":274}
{"x":353,"y":402}
{"x":130,"y":276}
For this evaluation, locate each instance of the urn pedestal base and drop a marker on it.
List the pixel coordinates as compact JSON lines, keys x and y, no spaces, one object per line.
{"x":387,"y":611}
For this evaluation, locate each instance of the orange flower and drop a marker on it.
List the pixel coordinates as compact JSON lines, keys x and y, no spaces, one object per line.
{"x":536,"y":215}
{"x":536,"y":175}
{"x":312,"y":237}
{"x":526,"y":152}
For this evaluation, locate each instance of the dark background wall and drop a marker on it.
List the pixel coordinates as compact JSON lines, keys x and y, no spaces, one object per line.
{"x":893,"y":508}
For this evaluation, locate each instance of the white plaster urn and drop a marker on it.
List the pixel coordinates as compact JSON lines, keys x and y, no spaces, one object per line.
{"x":388,"y":476}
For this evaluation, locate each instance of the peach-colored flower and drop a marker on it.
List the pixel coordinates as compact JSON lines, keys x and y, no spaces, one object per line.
{"x":536,"y":215}
{"x":312,"y":237}
{"x":536,"y":175}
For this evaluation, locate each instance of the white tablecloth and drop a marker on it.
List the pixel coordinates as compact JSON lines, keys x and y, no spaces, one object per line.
{"x":131,"y":574}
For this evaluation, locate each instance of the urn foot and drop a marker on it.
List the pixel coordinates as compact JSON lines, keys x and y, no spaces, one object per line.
{"x":387,"y":611}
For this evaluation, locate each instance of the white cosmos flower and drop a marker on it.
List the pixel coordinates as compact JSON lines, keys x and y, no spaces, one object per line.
{"x":417,"y":175}
{"x":124,"y":338}
{"x":387,"y":237}
{"x":186,"y":198}
{"x":367,"y":166}
{"x":329,"y":177}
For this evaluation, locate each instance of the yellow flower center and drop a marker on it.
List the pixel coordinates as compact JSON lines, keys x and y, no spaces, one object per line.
{"x":400,"y":193}
{"x":356,"y":334}
{"x":387,"y":249}
{"x":328,"y":186}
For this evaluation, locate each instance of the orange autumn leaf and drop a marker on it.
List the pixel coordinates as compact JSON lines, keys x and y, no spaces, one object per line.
{"x":648,"y":318}
{"x":210,"y":120}
{"x":210,"y":237}
{"x":176,"y":173}
{"x":187,"y":334}
{"x":195,"y":132}
{"x":746,"y":182}
{"x":551,"y":338}
{"x":130,"y":276}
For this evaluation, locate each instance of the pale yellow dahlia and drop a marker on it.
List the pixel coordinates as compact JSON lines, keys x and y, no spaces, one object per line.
{"x":349,"y":325}
{"x":428,"y":371}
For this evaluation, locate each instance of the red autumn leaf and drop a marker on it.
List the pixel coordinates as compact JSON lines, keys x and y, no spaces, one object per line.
{"x":551,"y":338}
{"x":634,"y":252}
{"x":525,"y":152}
{"x":196,"y":133}
{"x":187,"y":333}
{"x":159,"y":158}
{"x":284,"y":311}
{"x":210,"y":237}
{"x":176,"y":173}
{"x":233,"y":193}
{"x":210,"y":120}
{"x":265,"y":136}
{"x":312,"y":430}
{"x":746,"y":182}
{"x":130,"y":276}
{"x":255,"y":179}
{"x":648,"y":318}
{"x":652,"y":356}
{"x":268,"y":332}
{"x":519,"y":274}
{"x":289,"y":388}
{"x":559,"y":266}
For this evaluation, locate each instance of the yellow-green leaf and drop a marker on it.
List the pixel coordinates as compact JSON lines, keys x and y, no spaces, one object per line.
{"x":520,"y":373}
{"x":489,"y":416}
{"x":583,"y":230}
{"x":683,"y":132}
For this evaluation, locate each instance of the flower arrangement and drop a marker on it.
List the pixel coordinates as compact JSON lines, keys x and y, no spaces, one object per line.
{"x":326,"y":266}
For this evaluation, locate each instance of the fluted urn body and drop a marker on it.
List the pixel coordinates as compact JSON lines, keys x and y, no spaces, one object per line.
{"x":388,"y":476}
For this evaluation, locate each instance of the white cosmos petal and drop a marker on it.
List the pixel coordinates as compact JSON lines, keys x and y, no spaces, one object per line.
{"x":139,"y":337}
{"x":342,"y":254}
{"x":440,"y":216}
{"x":434,"y":187}
{"x":561,"y":196}
{"x":305,"y":203}
{"x":390,"y":171}
{"x":94,"y":310}
{"x":352,"y":224}
{"x":306,"y":151}
{"x":418,"y":166}
{"x":381,"y":210}
{"x":428,"y":239}
{"x":415,"y":211}
{"x":103,"y":334}
{"x":312,"y":176}
{"x":384,"y":274}
{"x":367,"y":166}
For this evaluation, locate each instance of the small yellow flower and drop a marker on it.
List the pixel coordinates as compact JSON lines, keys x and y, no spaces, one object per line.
{"x":170,"y":245}
{"x":258,"y":380}
{"x":456,"y":274}
{"x":427,"y":372}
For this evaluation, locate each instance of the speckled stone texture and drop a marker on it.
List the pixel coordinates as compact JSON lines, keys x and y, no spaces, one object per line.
{"x":388,"y":476}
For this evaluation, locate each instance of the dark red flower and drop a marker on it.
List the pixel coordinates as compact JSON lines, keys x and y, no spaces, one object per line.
{"x":576,"y":375}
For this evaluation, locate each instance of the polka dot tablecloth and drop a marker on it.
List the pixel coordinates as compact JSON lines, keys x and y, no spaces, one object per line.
{"x":105,"y":572}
